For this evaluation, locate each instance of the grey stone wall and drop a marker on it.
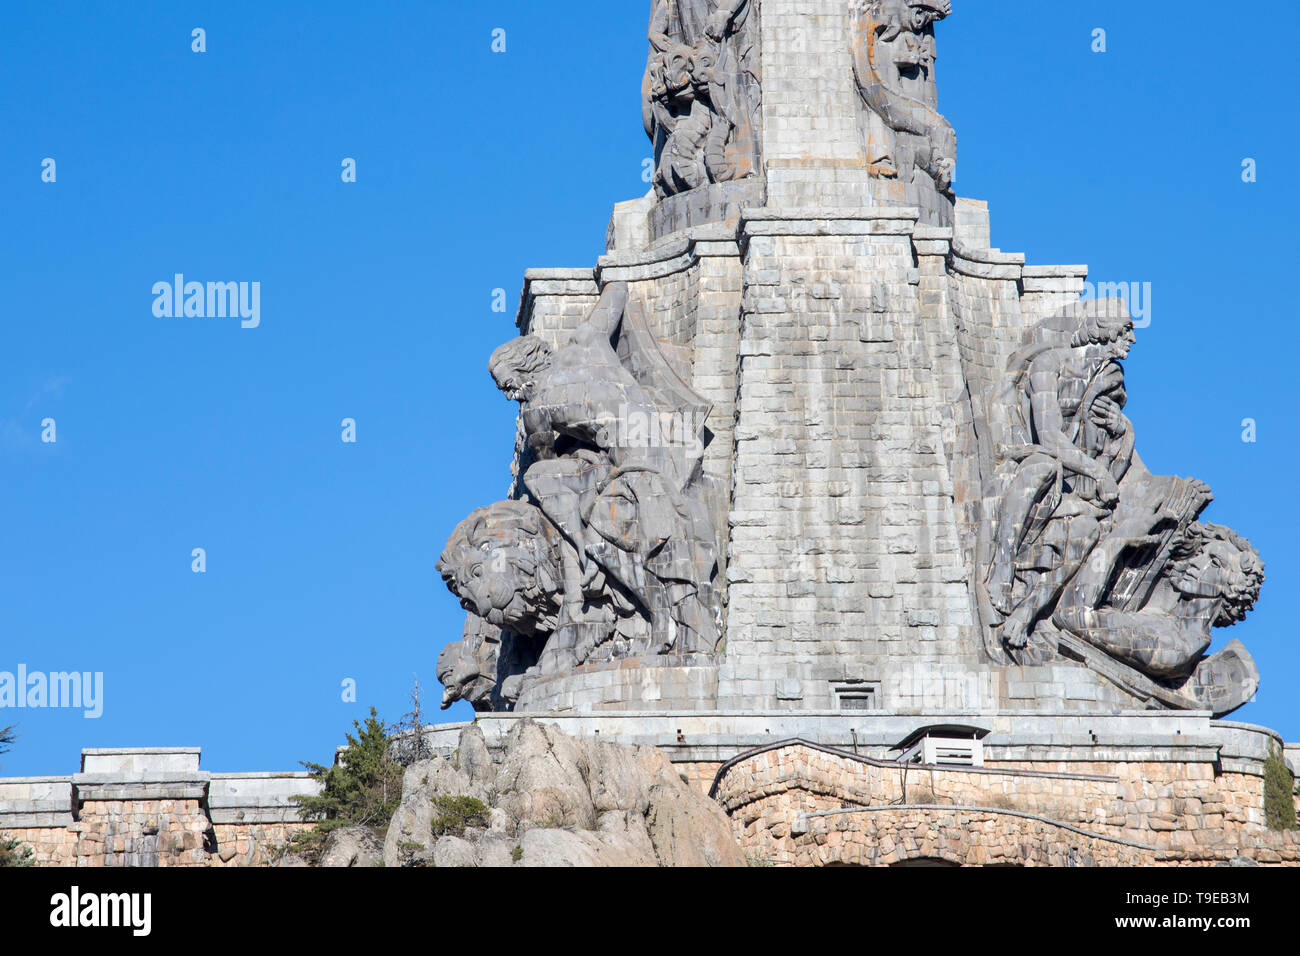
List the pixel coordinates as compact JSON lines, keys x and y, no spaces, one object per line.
{"x":845,"y":562}
{"x":812,"y":128}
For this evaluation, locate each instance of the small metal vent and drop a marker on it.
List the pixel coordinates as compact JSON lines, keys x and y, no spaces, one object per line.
{"x":857,"y":696}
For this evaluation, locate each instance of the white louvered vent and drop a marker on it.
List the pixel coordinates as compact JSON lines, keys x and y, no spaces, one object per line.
{"x":946,"y":751}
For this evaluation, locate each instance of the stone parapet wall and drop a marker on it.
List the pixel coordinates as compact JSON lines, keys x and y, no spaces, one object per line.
{"x":799,"y":804}
{"x":152,"y":807}
{"x":702,"y":736}
{"x":1142,"y":789}
{"x":50,"y":845}
{"x":142,"y":832}
{"x":942,"y":835}
{"x":251,"y":844}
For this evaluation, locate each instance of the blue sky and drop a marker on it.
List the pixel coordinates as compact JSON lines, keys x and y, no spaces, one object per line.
{"x":376,"y":305}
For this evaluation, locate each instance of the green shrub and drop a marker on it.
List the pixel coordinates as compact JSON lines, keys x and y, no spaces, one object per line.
{"x":454,"y":814}
{"x":13,"y":853}
{"x":1279,"y":787}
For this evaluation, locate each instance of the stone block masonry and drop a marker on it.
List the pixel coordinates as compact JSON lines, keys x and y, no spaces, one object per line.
{"x":152,"y":807}
{"x":801,"y":805}
{"x":800,"y":788}
{"x":846,"y":562}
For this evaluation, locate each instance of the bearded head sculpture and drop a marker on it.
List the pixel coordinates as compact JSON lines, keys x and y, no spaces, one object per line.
{"x":1212,"y":561}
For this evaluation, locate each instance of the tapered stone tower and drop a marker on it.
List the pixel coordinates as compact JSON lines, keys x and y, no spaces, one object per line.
{"x":802,"y":440}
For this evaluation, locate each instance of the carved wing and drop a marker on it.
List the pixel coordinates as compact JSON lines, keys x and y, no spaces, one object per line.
{"x":686,"y":410}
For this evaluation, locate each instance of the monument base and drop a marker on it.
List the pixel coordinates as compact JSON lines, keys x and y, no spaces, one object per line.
{"x":825,"y":788}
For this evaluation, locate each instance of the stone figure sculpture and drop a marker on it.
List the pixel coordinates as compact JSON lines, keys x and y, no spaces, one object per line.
{"x":1066,"y":445}
{"x":894,"y":53}
{"x":1089,"y":545}
{"x":701,"y":93}
{"x":615,"y":551}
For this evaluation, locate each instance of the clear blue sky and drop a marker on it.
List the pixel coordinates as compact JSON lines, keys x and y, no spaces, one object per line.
{"x":376,"y":305}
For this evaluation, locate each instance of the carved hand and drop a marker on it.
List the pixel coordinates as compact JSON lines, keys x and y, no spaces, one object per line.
{"x":719,"y":22}
{"x":1107,"y":494}
{"x":1107,"y":414}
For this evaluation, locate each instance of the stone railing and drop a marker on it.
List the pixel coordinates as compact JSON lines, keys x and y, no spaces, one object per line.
{"x":152,"y":807}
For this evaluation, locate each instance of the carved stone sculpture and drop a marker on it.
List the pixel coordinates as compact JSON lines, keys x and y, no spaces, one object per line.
{"x":614,"y":554}
{"x":1065,"y":445}
{"x":920,"y":488}
{"x":893,"y":59}
{"x":701,"y":94}
{"x":1213,"y":579}
{"x":1090,"y":546}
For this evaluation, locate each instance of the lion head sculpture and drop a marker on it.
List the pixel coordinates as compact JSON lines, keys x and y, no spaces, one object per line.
{"x":503,"y":563}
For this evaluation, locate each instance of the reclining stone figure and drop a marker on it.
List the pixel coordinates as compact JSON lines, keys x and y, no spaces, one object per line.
{"x":1089,"y":543}
{"x":613,"y":554}
{"x":1213,"y":578}
{"x":632,"y":508}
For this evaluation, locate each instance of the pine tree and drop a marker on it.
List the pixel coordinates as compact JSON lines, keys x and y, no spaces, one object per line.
{"x":361,"y":789}
{"x":12,"y":852}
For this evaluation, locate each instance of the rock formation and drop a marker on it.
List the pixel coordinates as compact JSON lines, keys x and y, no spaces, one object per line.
{"x":551,"y":800}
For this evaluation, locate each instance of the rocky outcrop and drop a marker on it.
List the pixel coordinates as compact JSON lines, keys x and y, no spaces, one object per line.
{"x":548,"y":799}
{"x":353,"y":846}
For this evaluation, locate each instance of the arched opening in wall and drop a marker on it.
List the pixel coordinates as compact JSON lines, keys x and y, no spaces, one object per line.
{"x":930,"y":861}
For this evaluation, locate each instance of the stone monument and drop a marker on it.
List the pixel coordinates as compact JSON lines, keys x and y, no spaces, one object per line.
{"x":803,"y":440}
{"x":824,"y":507}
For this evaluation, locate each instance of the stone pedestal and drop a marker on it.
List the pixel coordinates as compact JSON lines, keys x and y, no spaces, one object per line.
{"x":802,"y":270}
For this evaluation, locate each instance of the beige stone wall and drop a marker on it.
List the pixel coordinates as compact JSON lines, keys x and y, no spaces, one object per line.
{"x":154,"y":832}
{"x":799,"y":805}
{"x":252,"y":844}
{"x":141,"y":833}
{"x":890,"y":836}
{"x":51,"y":846}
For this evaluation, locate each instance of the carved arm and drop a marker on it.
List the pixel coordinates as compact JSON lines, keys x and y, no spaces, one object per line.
{"x":1049,"y":429}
